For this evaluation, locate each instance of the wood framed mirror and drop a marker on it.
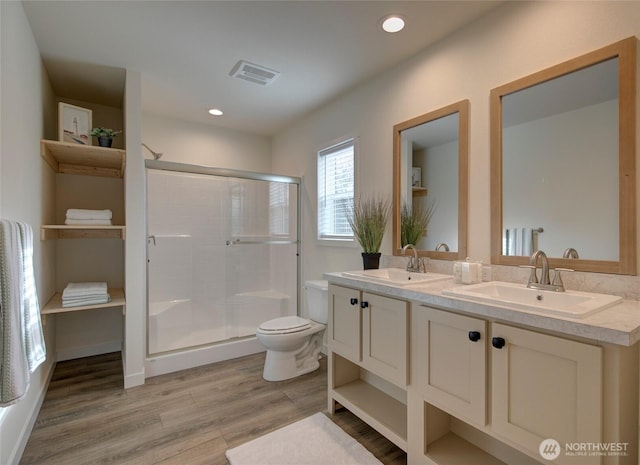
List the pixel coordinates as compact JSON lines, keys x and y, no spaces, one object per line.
{"x":431,"y":171}
{"x":563,"y":154}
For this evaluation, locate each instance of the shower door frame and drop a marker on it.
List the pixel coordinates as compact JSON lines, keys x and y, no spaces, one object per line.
{"x":230,"y":173}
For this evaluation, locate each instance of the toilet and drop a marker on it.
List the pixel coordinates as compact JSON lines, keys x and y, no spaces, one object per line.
{"x":293,"y":344}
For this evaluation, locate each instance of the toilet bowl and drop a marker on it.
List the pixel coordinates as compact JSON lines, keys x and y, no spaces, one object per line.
{"x":293,"y":343}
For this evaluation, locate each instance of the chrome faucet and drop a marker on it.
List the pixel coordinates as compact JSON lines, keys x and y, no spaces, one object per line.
{"x":544,"y":282}
{"x":570,"y":253}
{"x":415,"y":263}
{"x":544,"y":272}
{"x":443,"y":246}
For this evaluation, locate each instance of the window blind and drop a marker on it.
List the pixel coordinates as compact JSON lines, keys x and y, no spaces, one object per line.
{"x":335,"y":190}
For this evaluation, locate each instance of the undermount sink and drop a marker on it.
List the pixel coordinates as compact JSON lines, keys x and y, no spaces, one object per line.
{"x":396,"y":276}
{"x":574,"y":304}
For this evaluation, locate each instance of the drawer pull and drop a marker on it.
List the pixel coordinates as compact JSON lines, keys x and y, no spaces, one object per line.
{"x":364,"y":304}
{"x":354,"y":301}
{"x":498,"y":342}
{"x":474,"y":336}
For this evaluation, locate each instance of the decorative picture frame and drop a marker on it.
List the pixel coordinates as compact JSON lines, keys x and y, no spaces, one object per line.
{"x":74,"y":124}
{"x":416,"y":176}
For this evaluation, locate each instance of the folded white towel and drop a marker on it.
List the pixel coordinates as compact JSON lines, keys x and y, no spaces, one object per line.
{"x":88,"y":301}
{"x":83,"y":289}
{"x":85,"y":297}
{"x":79,"y":214}
{"x":88,"y":222}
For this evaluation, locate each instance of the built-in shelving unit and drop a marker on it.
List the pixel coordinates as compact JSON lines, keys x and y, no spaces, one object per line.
{"x":386,"y":414}
{"x":441,"y":450}
{"x":64,"y":231}
{"x":419,"y":191}
{"x":87,"y":160}
{"x":55,"y":303}
{"x":84,"y":160}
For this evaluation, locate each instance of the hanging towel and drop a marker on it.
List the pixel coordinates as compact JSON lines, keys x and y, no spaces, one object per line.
{"x":79,"y":214}
{"x":21,"y":338}
{"x":526,"y":242}
{"x":512,"y":234}
{"x":519,"y":242}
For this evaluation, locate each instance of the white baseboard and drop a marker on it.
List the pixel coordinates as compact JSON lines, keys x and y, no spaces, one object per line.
{"x":88,"y":351}
{"x":22,"y":416}
{"x":169,"y":363}
{"x":136,"y":379}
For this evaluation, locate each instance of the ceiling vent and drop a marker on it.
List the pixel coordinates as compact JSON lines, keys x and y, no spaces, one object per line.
{"x":254,"y":73}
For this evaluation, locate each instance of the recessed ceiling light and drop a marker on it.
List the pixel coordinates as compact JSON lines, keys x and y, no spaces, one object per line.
{"x":393,"y":23}
{"x":215,"y":112}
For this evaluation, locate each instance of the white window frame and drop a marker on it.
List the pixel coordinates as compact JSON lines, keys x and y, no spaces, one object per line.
{"x":339,"y":241}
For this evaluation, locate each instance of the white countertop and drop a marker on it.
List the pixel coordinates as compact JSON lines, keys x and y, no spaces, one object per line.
{"x":619,"y":324}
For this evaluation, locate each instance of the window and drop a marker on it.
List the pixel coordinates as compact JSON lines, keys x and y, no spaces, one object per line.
{"x":278,"y":209}
{"x":335,"y":190}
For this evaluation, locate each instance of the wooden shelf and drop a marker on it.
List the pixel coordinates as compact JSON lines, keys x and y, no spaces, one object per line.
{"x":55,"y":303}
{"x":451,"y":449}
{"x":65,"y":231}
{"x":64,"y":157}
{"x":381,"y":411}
{"x":419,"y":191}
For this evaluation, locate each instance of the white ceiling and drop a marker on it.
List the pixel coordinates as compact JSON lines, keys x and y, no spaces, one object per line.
{"x":186,"y":49}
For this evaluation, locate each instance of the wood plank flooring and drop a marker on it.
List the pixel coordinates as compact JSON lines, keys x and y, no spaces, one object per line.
{"x":186,"y":418}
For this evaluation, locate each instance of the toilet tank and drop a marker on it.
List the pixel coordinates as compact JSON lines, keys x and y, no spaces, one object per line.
{"x":317,"y":295}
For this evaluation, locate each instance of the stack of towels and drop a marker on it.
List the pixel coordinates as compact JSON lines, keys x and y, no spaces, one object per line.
{"x":88,"y":217}
{"x":79,"y":294}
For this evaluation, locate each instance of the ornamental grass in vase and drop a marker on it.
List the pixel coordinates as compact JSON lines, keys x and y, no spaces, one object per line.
{"x":414,"y":220}
{"x":368,"y":220}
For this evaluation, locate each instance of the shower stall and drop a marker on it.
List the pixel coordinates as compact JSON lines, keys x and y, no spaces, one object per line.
{"x":222,"y":257}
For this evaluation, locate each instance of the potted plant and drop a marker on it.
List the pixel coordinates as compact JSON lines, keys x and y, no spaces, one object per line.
{"x":105,"y":136}
{"x":414,"y":220}
{"x":368,"y":220}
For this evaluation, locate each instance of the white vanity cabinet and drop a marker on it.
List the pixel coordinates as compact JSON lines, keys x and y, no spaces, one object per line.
{"x":450,"y":362}
{"x":368,"y":358}
{"x":345,"y":322}
{"x":370,"y":330}
{"x":545,"y":387}
{"x":490,"y":393}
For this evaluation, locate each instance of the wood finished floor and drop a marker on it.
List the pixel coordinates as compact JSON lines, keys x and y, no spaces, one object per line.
{"x":186,"y":418}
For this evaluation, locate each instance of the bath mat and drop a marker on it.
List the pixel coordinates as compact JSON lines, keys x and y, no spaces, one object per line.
{"x":316,"y":440}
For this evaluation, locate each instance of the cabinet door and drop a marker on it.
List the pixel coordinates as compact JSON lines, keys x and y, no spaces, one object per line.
{"x":451,"y":362}
{"x":345,"y":322}
{"x":384,"y":337}
{"x":546,"y":387}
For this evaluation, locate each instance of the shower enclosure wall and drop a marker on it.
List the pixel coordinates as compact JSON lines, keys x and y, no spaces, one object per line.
{"x":223,"y":255}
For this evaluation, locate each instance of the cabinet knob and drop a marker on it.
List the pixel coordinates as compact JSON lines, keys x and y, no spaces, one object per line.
{"x":354,"y":301}
{"x":364,"y":304}
{"x":498,"y":342}
{"x":474,"y":336}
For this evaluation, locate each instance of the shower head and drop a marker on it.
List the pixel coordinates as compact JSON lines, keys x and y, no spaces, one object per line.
{"x":156,"y":155}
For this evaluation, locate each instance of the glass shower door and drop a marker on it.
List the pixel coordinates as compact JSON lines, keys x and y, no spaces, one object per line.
{"x":222,"y":257}
{"x":262,"y":254}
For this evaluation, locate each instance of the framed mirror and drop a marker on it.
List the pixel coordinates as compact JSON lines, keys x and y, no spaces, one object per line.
{"x":563,"y":164}
{"x":431,"y":177}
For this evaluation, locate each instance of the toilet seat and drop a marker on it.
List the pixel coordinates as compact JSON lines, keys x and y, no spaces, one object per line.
{"x":284,"y":325}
